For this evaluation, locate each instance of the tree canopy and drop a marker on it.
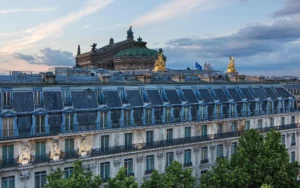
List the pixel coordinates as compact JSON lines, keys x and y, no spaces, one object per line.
{"x":78,"y":179}
{"x":259,"y":161}
{"x":174,"y":177}
{"x":121,"y":180}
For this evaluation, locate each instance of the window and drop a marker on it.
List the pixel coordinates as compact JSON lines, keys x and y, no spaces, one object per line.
{"x":204,"y":130}
{"x":129,"y":166}
{"x":187,"y":157}
{"x":104,"y":142}
{"x":69,"y":145}
{"x":282,"y":120}
{"x":148,"y":116}
{"x":203,"y":172}
{"x":40,"y":124}
{"x":218,"y":111}
{"x":100,"y":97}
{"x":247,"y":125}
{"x":6,"y":98}
{"x":185,"y":114}
{"x":272,"y":122}
{"x":105,"y":171}
{"x":169,"y":134}
{"x":187,"y":132}
{"x":68,"y":172}
{"x":8,"y":154}
{"x":233,"y":126}
{"x":40,"y":179}
{"x":220,"y":150}
{"x":149,"y":137}
{"x":259,"y":123}
{"x":37,"y":97}
{"x":283,"y":139}
{"x":219,"y":128}
{"x":103,"y":121}
{"x":7,"y":126}
{"x":293,"y":121}
{"x":204,"y":155}
{"x":67,"y":97}
{"x":149,"y":164}
{"x":293,"y":139}
{"x":40,"y":148}
{"x":69,"y":122}
{"x":8,"y":182}
{"x":233,"y":147}
{"x":168,"y":114}
{"x":169,"y":158}
{"x":127,"y":118}
{"x":293,"y":156}
{"x":128,"y":140}
{"x":232,"y":110}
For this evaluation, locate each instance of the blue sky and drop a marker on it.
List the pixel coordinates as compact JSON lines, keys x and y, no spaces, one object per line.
{"x":262,"y":35}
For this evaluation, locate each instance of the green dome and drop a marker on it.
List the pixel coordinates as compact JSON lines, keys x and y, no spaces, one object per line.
{"x":137,"y":52}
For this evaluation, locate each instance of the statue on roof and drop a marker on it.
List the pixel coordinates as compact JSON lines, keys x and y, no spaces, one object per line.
{"x":160,"y":63}
{"x":231,"y":66}
{"x":130,"y":33}
{"x":78,"y":50}
{"x":94,"y":45}
{"x":111,"y":41}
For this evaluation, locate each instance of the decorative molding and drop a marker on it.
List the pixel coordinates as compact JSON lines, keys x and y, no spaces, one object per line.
{"x":117,"y":163}
{"x":288,"y":134}
{"x":196,"y":148}
{"x":298,"y":132}
{"x":160,"y":156}
{"x":139,"y":159}
{"x":227,"y":143}
{"x":212,"y":147}
{"x":179,"y":152}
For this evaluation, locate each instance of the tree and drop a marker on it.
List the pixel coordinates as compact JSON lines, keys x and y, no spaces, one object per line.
{"x":259,"y":160}
{"x":174,"y":177}
{"x":155,"y":181}
{"x":79,"y":178}
{"x":121,"y":180}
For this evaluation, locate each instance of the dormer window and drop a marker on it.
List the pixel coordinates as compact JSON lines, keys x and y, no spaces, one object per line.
{"x":37,"y":97}
{"x":185,"y":114}
{"x":168,"y":114}
{"x":7,"y":126}
{"x":40,"y":124}
{"x":67,"y":97}
{"x":7,"y":98}
{"x":127,"y":121}
{"x":69,"y":122}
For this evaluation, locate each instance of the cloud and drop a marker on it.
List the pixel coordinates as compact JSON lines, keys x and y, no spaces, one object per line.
{"x":50,"y":9}
{"x":85,"y":26}
{"x":48,"y":57}
{"x":173,"y":9}
{"x":292,"y":7}
{"x":47,"y":29}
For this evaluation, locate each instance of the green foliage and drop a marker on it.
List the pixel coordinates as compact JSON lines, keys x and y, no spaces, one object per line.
{"x":174,"y":177}
{"x":121,"y":180}
{"x":259,"y":160}
{"x":78,"y":179}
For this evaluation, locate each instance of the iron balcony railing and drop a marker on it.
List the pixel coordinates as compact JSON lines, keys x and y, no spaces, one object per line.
{"x":41,"y":158}
{"x":204,"y":161}
{"x":70,"y":154}
{"x":179,"y":141}
{"x":148,"y":171}
{"x":8,"y":163}
{"x":188,"y":164}
{"x":56,"y":129}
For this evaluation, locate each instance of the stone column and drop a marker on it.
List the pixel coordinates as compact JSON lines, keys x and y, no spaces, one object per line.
{"x":212,"y":156}
{"x":160,"y":157}
{"x":288,"y":142}
{"x":196,"y":164}
{"x":227,"y":145}
{"x":24,"y":177}
{"x":178,"y":155}
{"x":139,"y":169}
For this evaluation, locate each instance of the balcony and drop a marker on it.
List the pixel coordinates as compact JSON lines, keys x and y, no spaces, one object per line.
{"x":130,"y":174}
{"x":148,"y":171}
{"x":293,"y":143}
{"x":188,"y":164}
{"x":8,"y":163}
{"x":70,"y":154}
{"x":180,"y":141}
{"x":56,"y":129}
{"x":41,"y":159}
{"x":204,"y":161}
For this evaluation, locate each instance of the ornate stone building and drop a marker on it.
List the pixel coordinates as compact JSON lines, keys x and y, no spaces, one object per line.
{"x":145,"y":127}
{"x":125,"y":55}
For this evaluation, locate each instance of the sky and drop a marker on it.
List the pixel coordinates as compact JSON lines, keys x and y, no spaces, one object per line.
{"x":262,"y":35}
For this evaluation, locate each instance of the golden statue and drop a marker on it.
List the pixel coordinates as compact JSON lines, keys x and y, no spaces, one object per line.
{"x":231,"y":67}
{"x":160,"y":63}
